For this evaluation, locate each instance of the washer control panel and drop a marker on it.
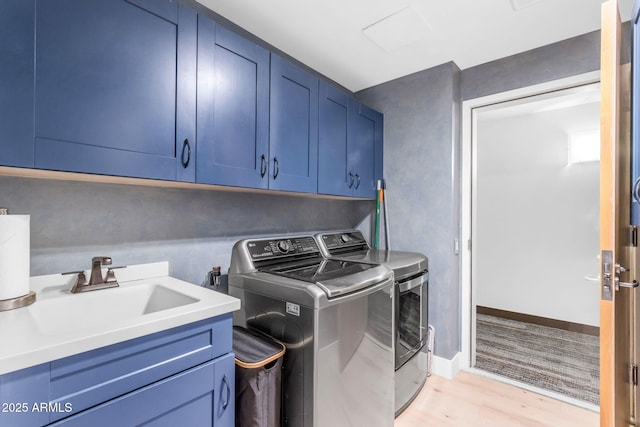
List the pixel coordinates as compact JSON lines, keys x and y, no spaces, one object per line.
{"x":349,"y":239}
{"x":279,"y":248}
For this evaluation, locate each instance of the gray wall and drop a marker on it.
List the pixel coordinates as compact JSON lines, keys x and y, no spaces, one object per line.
{"x":422,"y":156}
{"x":192,"y":229}
{"x":421,"y":151}
{"x":567,"y":58}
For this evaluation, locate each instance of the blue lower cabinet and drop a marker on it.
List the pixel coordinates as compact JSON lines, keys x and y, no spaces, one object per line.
{"x":181,"y":376}
{"x":225,"y":392}
{"x":94,"y":377}
{"x":21,"y":395}
{"x":185,"y":399}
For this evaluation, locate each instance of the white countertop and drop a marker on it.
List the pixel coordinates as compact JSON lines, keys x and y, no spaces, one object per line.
{"x":27,"y":339}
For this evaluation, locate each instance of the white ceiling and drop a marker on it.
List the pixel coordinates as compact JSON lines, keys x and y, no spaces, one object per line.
{"x":328,"y":36}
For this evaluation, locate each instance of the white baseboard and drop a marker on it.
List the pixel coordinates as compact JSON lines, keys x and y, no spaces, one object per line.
{"x":446,"y":368}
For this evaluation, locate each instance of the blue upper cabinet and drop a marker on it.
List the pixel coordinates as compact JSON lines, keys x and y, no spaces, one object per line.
{"x":233,"y":108}
{"x":115,"y":88}
{"x":350,"y":145}
{"x":293,"y":141}
{"x":124,"y":88}
{"x":16,"y":82}
{"x":365,"y":149}
{"x":332,"y":144}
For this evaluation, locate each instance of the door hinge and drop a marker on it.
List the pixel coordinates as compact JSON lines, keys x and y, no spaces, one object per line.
{"x":633,"y":375}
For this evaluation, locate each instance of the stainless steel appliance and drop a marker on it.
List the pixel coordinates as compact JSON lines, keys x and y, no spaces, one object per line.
{"x":411,"y":306}
{"x":335,"y":318}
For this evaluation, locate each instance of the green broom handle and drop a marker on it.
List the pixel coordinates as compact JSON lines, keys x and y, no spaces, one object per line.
{"x":377,"y":229}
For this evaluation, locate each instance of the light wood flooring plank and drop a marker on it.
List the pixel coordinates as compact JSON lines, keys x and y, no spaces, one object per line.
{"x":470,"y":400}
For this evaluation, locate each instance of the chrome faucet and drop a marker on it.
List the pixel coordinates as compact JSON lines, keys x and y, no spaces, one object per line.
{"x":96,"y":281}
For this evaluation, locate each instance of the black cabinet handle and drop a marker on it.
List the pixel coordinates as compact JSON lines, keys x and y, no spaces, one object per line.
{"x":225,"y":381}
{"x":357,"y":181}
{"x":276,"y":167}
{"x":636,"y":190}
{"x":350,"y":179}
{"x":186,"y":145}
{"x":263,"y":166}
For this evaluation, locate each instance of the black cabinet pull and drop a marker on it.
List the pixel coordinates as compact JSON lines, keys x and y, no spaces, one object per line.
{"x":186,"y":145}
{"x":276,"y":167}
{"x":636,"y":190}
{"x":225,"y":381}
{"x":357,"y":181}
{"x":263,"y":166}
{"x":350,"y":179}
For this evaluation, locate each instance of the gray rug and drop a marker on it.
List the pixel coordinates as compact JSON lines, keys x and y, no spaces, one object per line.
{"x":553,"y":359}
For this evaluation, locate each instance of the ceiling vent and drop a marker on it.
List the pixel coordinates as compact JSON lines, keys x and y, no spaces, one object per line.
{"x":522,"y":4}
{"x":398,"y":30}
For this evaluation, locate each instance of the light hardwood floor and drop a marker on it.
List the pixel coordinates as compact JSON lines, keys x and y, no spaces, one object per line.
{"x":470,"y":400}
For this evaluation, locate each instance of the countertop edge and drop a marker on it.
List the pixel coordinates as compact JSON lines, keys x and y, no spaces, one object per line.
{"x":31,"y":347}
{"x":48,"y":354}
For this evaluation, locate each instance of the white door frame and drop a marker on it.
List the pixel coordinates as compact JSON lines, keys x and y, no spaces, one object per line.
{"x":468,"y":182}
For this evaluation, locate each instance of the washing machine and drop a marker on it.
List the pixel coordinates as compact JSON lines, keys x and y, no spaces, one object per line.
{"x":335,"y":318}
{"x":411,"y":311}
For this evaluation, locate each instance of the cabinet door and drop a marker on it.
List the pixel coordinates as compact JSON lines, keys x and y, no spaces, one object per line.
{"x":21,"y":395}
{"x":233,"y":108}
{"x":16,"y":82}
{"x":365,"y":149}
{"x":184,"y":399}
{"x":225,"y":392}
{"x":114,"y":87}
{"x":293,"y":142}
{"x":332,"y":141}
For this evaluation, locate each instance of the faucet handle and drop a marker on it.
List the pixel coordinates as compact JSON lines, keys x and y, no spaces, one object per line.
{"x":80,"y":282}
{"x":72,"y":272}
{"x":111,"y":277}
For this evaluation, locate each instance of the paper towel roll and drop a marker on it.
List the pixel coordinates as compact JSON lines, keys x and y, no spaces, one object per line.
{"x":14,"y":256}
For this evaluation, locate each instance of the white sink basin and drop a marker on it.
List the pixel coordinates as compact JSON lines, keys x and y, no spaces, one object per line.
{"x":61,"y":324}
{"x":91,"y":309}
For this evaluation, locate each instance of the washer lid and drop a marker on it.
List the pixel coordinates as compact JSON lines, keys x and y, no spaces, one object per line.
{"x":335,"y":277}
{"x":352,"y":245}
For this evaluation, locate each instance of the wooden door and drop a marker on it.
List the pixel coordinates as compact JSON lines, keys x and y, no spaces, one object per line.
{"x":616,"y":301}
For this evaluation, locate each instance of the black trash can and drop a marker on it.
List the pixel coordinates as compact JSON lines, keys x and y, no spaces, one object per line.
{"x":258,"y":378}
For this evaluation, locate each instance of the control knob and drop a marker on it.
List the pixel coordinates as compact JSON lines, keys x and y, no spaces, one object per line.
{"x":345,"y":238}
{"x":283,"y":246}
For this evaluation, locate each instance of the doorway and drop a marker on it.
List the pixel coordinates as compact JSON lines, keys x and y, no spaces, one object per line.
{"x":532,"y":219}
